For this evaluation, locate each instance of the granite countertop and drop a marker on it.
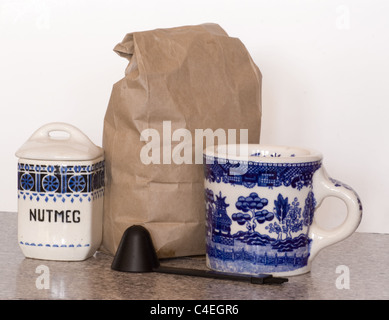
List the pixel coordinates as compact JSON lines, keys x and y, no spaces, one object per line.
{"x":363,"y":257}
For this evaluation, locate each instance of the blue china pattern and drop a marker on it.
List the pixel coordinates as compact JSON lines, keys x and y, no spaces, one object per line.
{"x":338,"y":183}
{"x":60,"y":182}
{"x":33,"y":244}
{"x":282,"y":242}
{"x":250,"y":174}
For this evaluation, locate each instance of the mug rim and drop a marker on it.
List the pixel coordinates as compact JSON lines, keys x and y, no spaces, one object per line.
{"x":293,"y":154}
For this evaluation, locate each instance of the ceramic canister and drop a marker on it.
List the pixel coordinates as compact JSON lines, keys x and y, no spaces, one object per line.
{"x":60,"y":194}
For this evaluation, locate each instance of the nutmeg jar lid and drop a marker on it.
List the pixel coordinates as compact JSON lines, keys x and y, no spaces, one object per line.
{"x":72,"y":144}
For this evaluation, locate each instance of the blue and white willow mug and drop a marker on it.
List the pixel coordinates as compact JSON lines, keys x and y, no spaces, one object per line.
{"x":260,"y":204}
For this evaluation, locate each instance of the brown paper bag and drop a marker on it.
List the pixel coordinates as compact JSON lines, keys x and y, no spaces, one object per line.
{"x":178,"y":80}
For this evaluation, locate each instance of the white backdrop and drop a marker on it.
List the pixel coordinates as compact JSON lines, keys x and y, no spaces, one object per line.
{"x":324,"y":64}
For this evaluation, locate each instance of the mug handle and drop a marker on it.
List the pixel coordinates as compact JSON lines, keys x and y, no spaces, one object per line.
{"x":323,"y":187}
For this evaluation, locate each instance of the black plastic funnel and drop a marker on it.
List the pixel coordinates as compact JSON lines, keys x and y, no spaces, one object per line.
{"x":136,"y":253}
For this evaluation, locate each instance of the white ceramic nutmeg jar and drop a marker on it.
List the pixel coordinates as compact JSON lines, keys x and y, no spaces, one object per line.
{"x":60,"y":194}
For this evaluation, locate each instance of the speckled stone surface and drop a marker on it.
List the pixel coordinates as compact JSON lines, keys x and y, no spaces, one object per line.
{"x":365,"y":255}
